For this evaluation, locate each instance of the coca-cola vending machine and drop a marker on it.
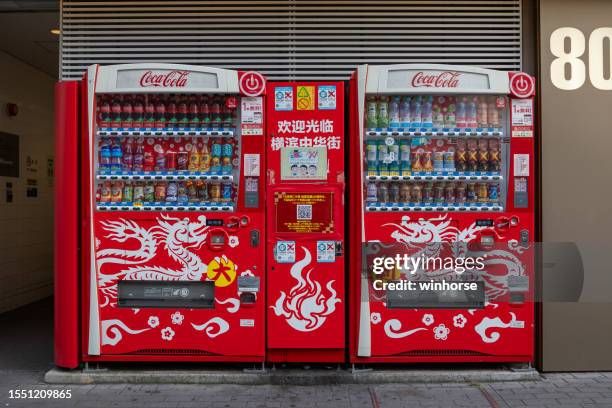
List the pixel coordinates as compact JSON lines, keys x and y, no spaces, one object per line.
{"x":305,"y":222}
{"x":442,"y":198}
{"x":170,"y":219}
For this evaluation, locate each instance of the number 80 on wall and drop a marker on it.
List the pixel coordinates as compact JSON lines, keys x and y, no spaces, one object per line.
{"x":571,"y":56}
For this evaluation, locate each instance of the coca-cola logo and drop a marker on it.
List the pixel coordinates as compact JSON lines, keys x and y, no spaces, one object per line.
{"x":446,"y":79}
{"x":172,"y":79}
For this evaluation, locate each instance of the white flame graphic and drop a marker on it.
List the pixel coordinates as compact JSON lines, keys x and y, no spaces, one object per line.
{"x":306,"y":308}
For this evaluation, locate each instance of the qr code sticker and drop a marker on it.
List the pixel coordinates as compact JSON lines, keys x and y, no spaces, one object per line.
{"x":304,"y":212}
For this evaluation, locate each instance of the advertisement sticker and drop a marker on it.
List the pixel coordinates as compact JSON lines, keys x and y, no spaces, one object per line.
{"x":252,"y":167}
{"x":521,"y":165}
{"x":326,"y":251}
{"x":252,"y":116}
{"x":304,"y":163}
{"x":283,"y":98}
{"x":285,"y":251}
{"x":522,"y":118}
{"x":327,"y":97}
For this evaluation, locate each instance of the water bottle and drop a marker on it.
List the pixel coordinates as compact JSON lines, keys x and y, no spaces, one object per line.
{"x":105,"y":155}
{"x":416,"y":112}
{"x":404,"y":112}
{"x":394,"y":116}
{"x":116,"y":156}
{"x":426,"y":112}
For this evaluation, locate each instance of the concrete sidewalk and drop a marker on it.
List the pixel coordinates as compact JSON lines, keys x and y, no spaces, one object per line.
{"x":26,"y":355}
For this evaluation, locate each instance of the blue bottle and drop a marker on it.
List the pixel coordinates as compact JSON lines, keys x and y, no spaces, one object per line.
{"x":116,"y":156}
{"x":105,"y":155}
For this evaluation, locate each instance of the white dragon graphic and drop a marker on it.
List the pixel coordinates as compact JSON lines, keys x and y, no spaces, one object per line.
{"x":428,"y":237}
{"x":178,"y":236}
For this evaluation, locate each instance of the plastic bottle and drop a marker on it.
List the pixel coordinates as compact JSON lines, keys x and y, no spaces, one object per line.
{"x":461,"y":117}
{"x":127,"y":112}
{"x":493,"y":113}
{"x":194,"y":157}
{"x":160,"y":156}
{"x":383,"y":112}
{"x":116,"y":156}
{"x":171,"y":112}
{"x":404,"y":112}
{"x":105,"y":155}
{"x":472,"y":113}
{"x":182,"y":117}
{"x":204,"y":112}
{"x":483,"y":120}
{"x":437,"y":115}
{"x":137,"y":112}
{"x":450,"y":118}
{"x":394,"y":116}
{"x":149,"y":113}
{"x":371,"y":115}
{"x":416,"y":117}
{"x":205,"y":157}
{"x":160,"y":113}
{"x":148,"y":160}
{"x":194,"y":112}
{"x":115,"y":120}
{"x":104,"y":116}
{"x":427,"y":112}
{"x":215,"y":112}
{"x":128,"y":155}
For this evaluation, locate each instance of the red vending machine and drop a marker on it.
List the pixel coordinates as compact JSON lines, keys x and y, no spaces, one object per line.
{"x":171,"y":215}
{"x":442,"y":169}
{"x":305,"y":232}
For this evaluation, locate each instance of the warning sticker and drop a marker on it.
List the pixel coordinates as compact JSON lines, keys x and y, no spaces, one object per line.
{"x":327,"y":97}
{"x":285,"y":251}
{"x":326,"y":251}
{"x":305,"y":97}
{"x":283,"y":98}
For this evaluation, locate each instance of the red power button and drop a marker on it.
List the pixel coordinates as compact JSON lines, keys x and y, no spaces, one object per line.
{"x":521,"y":85}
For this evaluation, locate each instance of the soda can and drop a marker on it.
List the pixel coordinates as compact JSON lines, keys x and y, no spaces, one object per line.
{"x":438,"y":161}
{"x":372,"y":192}
{"x":215,"y":165}
{"x":149,"y":192}
{"x":182,"y":160}
{"x":226,"y":167}
{"x":138,"y":192}
{"x":105,"y":192}
{"x":482,"y":192}
{"x":427,"y":193}
{"x":160,"y":192}
{"x":170,"y":160}
{"x":192,"y":191}
{"x":438,"y":193}
{"x":226,"y":193}
{"x":394,"y":193}
{"x":460,"y":194}
{"x":128,"y":193}
{"x":405,"y":193}
{"x":383,"y":193}
{"x":449,"y":194}
{"x":182,"y":195}
{"x":417,"y":193}
{"x":471,"y":193}
{"x":216,"y":149}
{"x":227,"y":149}
{"x":202,"y":189}
{"x":493,"y":192}
{"x":394,"y":160}
{"x":449,"y":161}
{"x":116,"y":191}
{"x":215,"y":192}
{"x":171,"y":192}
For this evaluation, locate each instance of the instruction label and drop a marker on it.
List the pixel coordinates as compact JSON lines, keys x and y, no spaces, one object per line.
{"x":285,"y":251}
{"x":327,"y":97}
{"x":283,"y":98}
{"x":326,"y":251}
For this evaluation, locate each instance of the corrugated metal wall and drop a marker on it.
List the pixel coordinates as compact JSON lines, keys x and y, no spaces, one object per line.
{"x":291,"y":39}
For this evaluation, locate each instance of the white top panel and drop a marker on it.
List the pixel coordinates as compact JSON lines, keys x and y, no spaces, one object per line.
{"x":165,"y":78}
{"x":435,"y":79}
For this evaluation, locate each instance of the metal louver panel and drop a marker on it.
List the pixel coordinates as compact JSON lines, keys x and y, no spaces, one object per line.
{"x":291,"y":39}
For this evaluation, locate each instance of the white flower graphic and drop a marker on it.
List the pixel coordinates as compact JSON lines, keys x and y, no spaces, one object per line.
{"x":441,"y":332}
{"x":153,"y":321}
{"x":375,"y":318}
{"x":177,"y":318}
{"x":459,"y":320}
{"x":167,"y":333}
{"x":428,"y":319}
{"x":233,"y":241}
